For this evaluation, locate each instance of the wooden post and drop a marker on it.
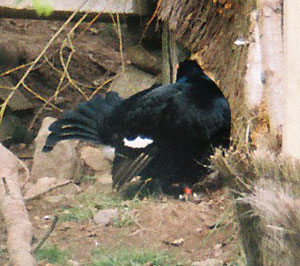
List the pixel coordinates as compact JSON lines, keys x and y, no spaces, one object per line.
{"x":172,"y":54}
{"x":270,"y":22}
{"x":291,"y":127}
{"x":166,"y":68}
{"x":62,"y":9}
{"x":169,"y":54}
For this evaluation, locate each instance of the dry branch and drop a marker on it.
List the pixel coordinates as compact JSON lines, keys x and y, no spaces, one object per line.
{"x":29,"y":197}
{"x":19,"y":228}
{"x":46,"y":236}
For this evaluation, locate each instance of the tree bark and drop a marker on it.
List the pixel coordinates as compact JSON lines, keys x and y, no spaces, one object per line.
{"x":291,"y":129}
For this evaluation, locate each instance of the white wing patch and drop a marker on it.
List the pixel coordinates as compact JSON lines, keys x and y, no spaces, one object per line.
{"x":138,"y":142}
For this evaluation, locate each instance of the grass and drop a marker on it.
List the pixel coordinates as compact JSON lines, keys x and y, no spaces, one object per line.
{"x":53,"y":255}
{"x":86,"y":205}
{"x":76,"y":214}
{"x":126,"y":257}
{"x":266,"y":188}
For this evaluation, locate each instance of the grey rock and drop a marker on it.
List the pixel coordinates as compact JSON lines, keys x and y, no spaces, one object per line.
{"x":106,"y":217}
{"x":18,"y":100}
{"x":12,"y":129}
{"x":96,"y":158}
{"x":62,"y":162}
{"x":131,"y":81}
{"x":208,"y":262}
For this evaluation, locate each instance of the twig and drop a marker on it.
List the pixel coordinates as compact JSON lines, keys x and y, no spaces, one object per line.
{"x":117,"y":26}
{"x":102,"y":85}
{"x":150,"y":21}
{"x":21,"y":81}
{"x":40,"y":97}
{"x":46,"y":236}
{"x":49,"y":190}
{"x":15,"y":69}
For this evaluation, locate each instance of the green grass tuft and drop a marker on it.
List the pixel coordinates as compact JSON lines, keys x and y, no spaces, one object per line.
{"x":53,"y":255}
{"x":126,"y":257}
{"x":87,"y":205}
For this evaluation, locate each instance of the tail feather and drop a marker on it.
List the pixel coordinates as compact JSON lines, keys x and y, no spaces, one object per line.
{"x":70,"y":131}
{"x":53,"y":139}
{"x":86,"y":122}
{"x":71,"y":117}
{"x":60,"y":125}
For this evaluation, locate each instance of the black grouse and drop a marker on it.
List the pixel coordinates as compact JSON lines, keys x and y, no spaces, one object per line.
{"x":165,"y":132}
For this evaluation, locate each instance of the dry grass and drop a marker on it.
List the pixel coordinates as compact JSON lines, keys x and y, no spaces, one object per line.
{"x":266,"y":188}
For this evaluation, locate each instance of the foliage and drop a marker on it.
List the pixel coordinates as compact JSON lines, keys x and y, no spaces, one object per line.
{"x":76,"y":214}
{"x":126,"y":257}
{"x":88,"y":205}
{"x":42,"y":7}
{"x":52,"y":255}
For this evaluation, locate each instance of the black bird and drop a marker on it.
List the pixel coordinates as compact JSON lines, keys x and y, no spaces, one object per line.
{"x":165,"y":132}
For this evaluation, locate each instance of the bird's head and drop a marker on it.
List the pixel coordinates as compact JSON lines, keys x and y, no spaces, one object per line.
{"x":189,"y":68}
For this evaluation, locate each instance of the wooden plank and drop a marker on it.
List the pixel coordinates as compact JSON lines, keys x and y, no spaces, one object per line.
{"x":291,"y":126}
{"x":63,"y":8}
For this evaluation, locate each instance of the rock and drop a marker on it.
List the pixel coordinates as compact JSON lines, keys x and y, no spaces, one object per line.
{"x":103,"y":178}
{"x":62,"y":162}
{"x":12,"y":54}
{"x":108,"y":152}
{"x":99,"y":159}
{"x":132,"y":81}
{"x":208,"y":262}
{"x":54,"y":198}
{"x":12,"y":129}
{"x":45,"y":184}
{"x":18,"y":100}
{"x":145,"y":60}
{"x":73,"y":262}
{"x":70,"y":189}
{"x":106,"y":217}
{"x":42,"y":185}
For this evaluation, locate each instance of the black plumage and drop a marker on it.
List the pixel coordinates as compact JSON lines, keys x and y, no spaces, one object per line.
{"x":182,"y":122}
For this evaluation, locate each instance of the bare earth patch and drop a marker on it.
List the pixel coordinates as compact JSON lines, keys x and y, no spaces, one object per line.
{"x":205,"y":230}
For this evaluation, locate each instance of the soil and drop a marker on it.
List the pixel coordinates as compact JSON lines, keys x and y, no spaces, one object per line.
{"x":206,"y":225}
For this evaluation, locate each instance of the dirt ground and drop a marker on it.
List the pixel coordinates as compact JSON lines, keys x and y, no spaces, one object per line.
{"x":206,"y":225}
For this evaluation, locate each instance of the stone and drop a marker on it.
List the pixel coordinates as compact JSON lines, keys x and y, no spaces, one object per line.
{"x":99,"y":159}
{"x":106,"y":217}
{"x":18,"y":100}
{"x":12,"y":129}
{"x":208,"y":262}
{"x":42,"y":185}
{"x":62,"y":162}
{"x":12,"y":54}
{"x":103,"y":178}
{"x":131,"y":81}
